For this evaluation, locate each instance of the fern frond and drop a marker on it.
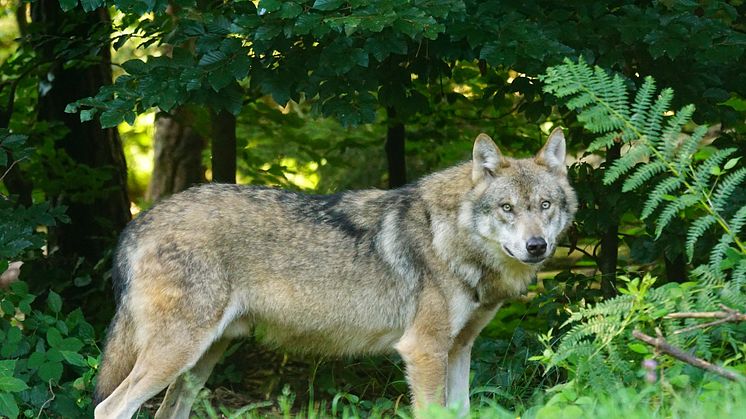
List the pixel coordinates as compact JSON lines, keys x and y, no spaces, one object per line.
{"x":706,"y":277}
{"x":703,"y":172}
{"x":658,"y":194}
{"x":642,"y":174}
{"x":669,"y":139}
{"x":681,"y":203}
{"x":642,"y":103}
{"x":625,"y":163}
{"x":688,"y":147}
{"x":718,"y":252}
{"x":654,"y":125}
{"x":696,"y":231}
{"x":726,"y":188}
{"x":737,"y":221}
{"x":600,"y":99}
{"x":604,"y":141}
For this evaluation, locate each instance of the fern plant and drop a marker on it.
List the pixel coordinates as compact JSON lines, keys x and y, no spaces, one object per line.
{"x":660,"y":151}
{"x":659,"y":154}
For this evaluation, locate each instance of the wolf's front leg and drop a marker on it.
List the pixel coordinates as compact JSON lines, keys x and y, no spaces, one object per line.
{"x":459,"y":360}
{"x":424,"y":348}
{"x":426,"y":366}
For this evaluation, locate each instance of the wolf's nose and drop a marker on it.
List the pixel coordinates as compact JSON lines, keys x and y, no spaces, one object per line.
{"x":536,"y":246}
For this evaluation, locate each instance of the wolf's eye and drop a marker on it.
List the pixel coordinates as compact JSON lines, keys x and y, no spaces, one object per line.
{"x":545,"y":205}
{"x":507,"y":207}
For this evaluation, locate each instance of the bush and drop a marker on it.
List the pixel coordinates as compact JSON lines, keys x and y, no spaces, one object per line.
{"x":682,"y":179}
{"x":48,"y":358}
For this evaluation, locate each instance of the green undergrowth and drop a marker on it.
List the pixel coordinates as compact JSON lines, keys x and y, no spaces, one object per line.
{"x":715,"y":398}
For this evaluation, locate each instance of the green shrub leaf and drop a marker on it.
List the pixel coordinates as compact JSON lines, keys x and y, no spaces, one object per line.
{"x":12,"y":384}
{"x":54,"y":302}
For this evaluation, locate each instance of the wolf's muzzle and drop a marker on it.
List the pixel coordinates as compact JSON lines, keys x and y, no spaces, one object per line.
{"x":536,"y":246}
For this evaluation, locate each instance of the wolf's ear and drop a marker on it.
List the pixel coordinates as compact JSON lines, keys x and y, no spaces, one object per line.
{"x":552,"y":154}
{"x":486,"y":158}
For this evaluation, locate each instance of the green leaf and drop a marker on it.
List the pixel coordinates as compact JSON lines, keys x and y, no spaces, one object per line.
{"x":290,"y":10}
{"x":731,"y":163}
{"x":7,"y":367}
{"x":87,"y":114}
{"x":71,"y":344}
{"x":270,"y":5}
{"x":50,"y":371}
{"x":54,"y":337}
{"x":91,"y":5}
{"x":135,"y":66}
{"x":327,"y":4}
{"x":67,"y":5}
{"x":306,"y":23}
{"x":74,"y":358}
{"x":111,"y":118}
{"x":12,"y":384}
{"x":7,"y":307}
{"x":239,"y":66}
{"x":36,"y":359}
{"x":736,"y":102}
{"x":220,"y":78}
{"x":54,"y":302}
{"x":53,"y":355}
{"x":266,"y":32}
{"x":82,"y":281}
{"x":212,"y":57}
{"x":639,"y":348}
{"x":8,"y":406}
{"x":13,"y":335}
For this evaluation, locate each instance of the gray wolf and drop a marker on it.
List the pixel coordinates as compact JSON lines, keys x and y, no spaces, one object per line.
{"x":419,"y":270}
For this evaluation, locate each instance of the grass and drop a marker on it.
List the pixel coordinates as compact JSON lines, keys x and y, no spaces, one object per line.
{"x":712,"y":400}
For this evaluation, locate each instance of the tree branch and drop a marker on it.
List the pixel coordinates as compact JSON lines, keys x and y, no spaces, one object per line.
{"x":665,"y":347}
{"x":726,"y":316}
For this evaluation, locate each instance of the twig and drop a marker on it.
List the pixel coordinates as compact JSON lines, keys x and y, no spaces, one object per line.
{"x":727,"y":315}
{"x":660,"y":344}
{"x":41,"y":409}
{"x":11,"y":167}
{"x":574,"y":248}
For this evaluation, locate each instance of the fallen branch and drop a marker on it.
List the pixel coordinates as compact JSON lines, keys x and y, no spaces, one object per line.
{"x":726,"y":316}
{"x":660,"y":344}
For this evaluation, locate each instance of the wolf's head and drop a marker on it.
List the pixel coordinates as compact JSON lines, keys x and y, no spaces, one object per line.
{"x":519,"y":207}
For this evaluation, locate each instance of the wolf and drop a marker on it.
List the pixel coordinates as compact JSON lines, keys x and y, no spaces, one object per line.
{"x":418,"y":270}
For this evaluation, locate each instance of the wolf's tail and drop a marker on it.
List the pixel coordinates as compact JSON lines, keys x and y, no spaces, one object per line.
{"x":119,"y":357}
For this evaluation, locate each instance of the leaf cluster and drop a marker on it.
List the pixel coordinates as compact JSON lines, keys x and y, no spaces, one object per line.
{"x":48,"y":358}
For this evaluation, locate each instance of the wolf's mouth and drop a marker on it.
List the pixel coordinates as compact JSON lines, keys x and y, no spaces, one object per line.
{"x":505,"y":248}
{"x":528,"y":261}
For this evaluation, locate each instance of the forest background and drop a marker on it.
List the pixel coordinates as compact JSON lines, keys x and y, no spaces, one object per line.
{"x":108,"y":106}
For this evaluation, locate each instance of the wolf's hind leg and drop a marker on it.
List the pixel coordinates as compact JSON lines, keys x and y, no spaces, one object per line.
{"x":157,"y":366}
{"x":181,"y":393}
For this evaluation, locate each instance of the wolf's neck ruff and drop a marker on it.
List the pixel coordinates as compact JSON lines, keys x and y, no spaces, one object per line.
{"x":420,"y":270}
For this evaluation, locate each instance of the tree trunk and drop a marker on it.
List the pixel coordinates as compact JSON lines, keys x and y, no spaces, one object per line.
{"x":223,"y":147}
{"x":395,"y":136}
{"x":177,"y":162}
{"x":609,"y":254}
{"x":93,"y":225}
